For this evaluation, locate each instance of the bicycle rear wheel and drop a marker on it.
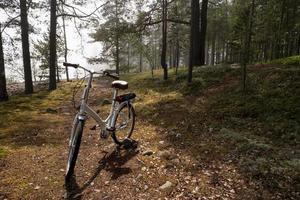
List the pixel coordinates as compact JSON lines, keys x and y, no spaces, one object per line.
{"x":74,"y":146}
{"x":124,"y":123}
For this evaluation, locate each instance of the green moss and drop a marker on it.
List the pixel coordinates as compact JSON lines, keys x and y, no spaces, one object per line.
{"x":24,"y":112}
{"x":3,"y":152}
{"x":293,"y":60}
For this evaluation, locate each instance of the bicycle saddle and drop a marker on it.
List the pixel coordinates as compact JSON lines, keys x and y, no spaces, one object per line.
{"x":123,"y":85}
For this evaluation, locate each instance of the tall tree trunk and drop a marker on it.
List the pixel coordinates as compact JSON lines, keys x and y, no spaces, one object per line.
{"x":213,"y":49}
{"x":226,"y":51}
{"x":197,"y":46}
{"x":170,"y":56}
{"x":246,"y":52}
{"x":193,"y":38}
{"x":117,"y":55}
{"x":207,"y":52}
{"x":177,"y":55}
{"x":141,"y":53}
{"x":279,"y":32}
{"x":65,"y":43}
{"x":203,"y":31}
{"x":155,"y":55}
{"x":298,"y":45}
{"x":141,"y":62}
{"x":128,"y":57}
{"x":218,"y":51}
{"x":52,"y":41}
{"x":164,"y":40}
{"x":223,"y":52}
{"x":3,"y":91}
{"x":25,"y":48}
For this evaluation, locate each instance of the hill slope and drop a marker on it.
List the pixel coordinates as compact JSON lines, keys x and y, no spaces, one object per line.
{"x":208,"y":140}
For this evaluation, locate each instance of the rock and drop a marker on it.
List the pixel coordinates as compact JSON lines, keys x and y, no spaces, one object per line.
{"x":106,"y":183}
{"x":97,"y":190}
{"x":37,"y":187}
{"x":195,"y":190}
{"x":166,"y":186}
{"x":144,"y":168}
{"x":139,"y":176}
{"x":147,"y":153}
{"x":161,"y":142}
{"x":146,"y":187}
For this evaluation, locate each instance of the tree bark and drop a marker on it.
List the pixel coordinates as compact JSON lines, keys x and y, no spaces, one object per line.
{"x":117,"y":55}
{"x":203,"y":32}
{"x":117,"y":59}
{"x":66,"y":44}
{"x":197,"y":47}
{"x":246,"y":52}
{"x":52,"y":45}
{"x":128,"y":57}
{"x":177,"y":54}
{"x":164,"y":40}
{"x":25,"y":48}
{"x":141,"y":53}
{"x":3,"y":90}
{"x":298,"y":45}
{"x":213,"y":49}
{"x":170,"y":56}
{"x":193,"y":38}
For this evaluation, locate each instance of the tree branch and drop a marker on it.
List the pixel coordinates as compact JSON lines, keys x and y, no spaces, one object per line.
{"x":75,"y":13}
{"x":9,"y":22}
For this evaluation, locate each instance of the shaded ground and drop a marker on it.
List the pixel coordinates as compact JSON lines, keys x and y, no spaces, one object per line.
{"x":199,"y":140}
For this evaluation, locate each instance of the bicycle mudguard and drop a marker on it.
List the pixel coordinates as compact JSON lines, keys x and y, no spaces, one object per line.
{"x":125,"y":97}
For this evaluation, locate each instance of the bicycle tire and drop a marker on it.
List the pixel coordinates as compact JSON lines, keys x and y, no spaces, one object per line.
{"x":131,"y":115}
{"x":74,"y":149}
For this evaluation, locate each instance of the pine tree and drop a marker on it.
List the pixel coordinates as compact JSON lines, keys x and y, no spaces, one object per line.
{"x":3,"y":90}
{"x":52,"y":45}
{"x":25,"y":47}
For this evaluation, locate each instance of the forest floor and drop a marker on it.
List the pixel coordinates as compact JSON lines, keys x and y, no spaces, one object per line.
{"x":208,"y":140}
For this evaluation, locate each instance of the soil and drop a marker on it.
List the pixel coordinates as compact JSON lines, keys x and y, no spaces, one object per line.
{"x":161,"y":167}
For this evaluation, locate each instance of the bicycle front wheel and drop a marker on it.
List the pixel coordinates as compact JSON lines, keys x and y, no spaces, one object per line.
{"x":124,"y":123}
{"x":74,"y":146}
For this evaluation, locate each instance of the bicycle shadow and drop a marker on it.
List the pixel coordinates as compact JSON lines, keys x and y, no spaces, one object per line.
{"x":111,"y":162}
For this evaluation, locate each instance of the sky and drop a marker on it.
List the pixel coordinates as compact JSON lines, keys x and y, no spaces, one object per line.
{"x":80,"y":47}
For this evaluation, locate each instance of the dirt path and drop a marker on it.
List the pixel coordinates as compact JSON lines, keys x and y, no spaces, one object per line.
{"x":164,"y":166}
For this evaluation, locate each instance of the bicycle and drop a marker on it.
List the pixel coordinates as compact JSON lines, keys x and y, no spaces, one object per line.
{"x":121,"y":116}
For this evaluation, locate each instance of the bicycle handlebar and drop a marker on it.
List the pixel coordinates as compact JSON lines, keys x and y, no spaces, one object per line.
{"x":106,"y":73}
{"x":70,"y":65}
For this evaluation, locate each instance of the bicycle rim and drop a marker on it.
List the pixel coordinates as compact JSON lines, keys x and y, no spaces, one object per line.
{"x":124,"y":123}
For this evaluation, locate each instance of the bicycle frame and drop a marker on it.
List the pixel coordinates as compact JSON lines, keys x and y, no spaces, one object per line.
{"x":85,"y":110}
